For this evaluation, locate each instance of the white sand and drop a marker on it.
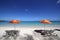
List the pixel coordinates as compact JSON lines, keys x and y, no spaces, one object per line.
{"x":26,"y":30}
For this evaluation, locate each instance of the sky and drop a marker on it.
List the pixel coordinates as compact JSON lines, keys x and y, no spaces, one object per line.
{"x":29,"y":10}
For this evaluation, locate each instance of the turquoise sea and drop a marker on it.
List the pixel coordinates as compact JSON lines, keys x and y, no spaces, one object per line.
{"x":30,"y":24}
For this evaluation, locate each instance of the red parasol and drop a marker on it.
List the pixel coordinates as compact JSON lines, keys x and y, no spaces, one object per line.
{"x":14,"y":22}
{"x":45,"y":22}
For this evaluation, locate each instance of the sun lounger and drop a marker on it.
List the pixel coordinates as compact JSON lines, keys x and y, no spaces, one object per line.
{"x":57,"y":29}
{"x":47,"y":34}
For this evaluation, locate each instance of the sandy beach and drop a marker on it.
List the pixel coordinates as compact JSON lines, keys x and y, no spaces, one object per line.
{"x":27,"y":30}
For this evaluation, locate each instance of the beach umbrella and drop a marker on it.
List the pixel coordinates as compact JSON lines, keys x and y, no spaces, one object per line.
{"x":14,"y":22}
{"x":45,"y":22}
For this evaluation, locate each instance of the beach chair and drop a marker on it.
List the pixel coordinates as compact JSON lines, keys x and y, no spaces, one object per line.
{"x":47,"y":34}
{"x":10,"y":34}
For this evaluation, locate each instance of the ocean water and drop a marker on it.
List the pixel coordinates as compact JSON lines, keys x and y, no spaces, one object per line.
{"x":30,"y":24}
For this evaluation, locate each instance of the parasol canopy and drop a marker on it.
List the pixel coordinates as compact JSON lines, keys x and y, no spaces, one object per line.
{"x":14,"y":21}
{"x":45,"y":21}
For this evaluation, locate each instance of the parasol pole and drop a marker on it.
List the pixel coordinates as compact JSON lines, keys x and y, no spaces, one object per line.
{"x":44,"y":26}
{"x":14,"y":27}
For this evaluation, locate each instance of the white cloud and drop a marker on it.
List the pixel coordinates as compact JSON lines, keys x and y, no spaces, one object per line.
{"x":58,"y":1}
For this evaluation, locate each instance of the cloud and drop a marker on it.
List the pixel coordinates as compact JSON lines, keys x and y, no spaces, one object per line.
{"x":58,"y":1}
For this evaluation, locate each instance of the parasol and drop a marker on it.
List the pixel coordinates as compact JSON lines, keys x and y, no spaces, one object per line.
{"x":14,"y":22}
{"x":45,"y":22}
